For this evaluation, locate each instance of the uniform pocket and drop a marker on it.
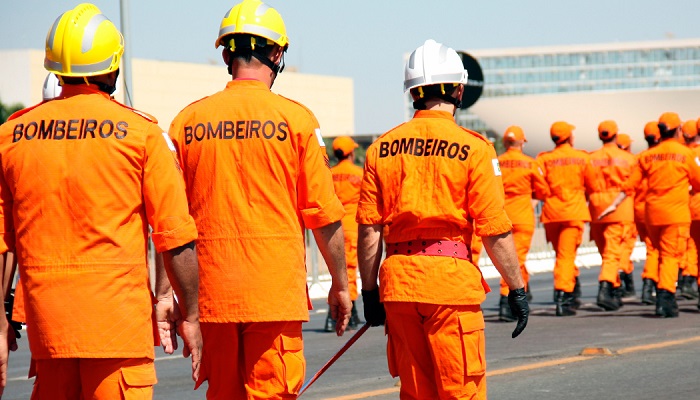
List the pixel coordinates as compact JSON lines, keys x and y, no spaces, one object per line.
{"x":137,"y":381}
{"x":391,"y":353}
{"x":473,"y":343}
{"x":292,"y":352}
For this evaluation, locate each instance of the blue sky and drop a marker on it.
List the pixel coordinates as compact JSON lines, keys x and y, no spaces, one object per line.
{"x":366,"y":40}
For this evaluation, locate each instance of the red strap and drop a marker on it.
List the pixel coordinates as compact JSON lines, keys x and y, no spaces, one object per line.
{"x":430,"y":247}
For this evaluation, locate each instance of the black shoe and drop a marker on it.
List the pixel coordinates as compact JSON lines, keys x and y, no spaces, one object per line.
{"x":648,"y":290}
{"x":528,"y":293}
{"x":330,"y":323}
{"x":687,"y":286}
{"x":564,"y":304}
{"x":504,"y":312}
{"x":606,"y":300}
{"x":627,"y":281}
{"x":354,"y":318}
{"x":576,"y":302}
{"x":666,"y":306}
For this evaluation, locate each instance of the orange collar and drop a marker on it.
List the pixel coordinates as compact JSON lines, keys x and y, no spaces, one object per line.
{"x":433,"y":114}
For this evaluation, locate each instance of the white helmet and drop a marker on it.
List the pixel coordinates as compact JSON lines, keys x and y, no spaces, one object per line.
{"x":433,"y":63}
{"x":51,"y":89}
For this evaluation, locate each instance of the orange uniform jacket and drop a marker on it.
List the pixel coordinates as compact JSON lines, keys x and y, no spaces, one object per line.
{"x":669,"y":168}
{"x":695,"y":196}
{"x":612,"y":167}
{"x":347,"y":179}
{"x":567,"y":171}
{"x":82,"y":178}
{"x":522,"y":180}
{"x":256,"y":175}
{"x":431,"y":179}
{"x":640,"y":197}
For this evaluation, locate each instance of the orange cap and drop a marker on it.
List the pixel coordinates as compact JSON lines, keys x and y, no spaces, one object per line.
{"x":624,"y":140}
{"x":690,"y":129}
{"x":670,"y":119}
{"x":607,"y":129}
{"x":560,"y":131}
{"x":652,"y":129}
{"x":344,"y":144}
{"x":514,"y":133}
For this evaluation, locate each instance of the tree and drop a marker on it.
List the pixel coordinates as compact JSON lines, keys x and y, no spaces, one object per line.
{"x":8,"y":109}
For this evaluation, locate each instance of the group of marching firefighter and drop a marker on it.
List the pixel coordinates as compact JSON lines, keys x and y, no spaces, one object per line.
{"x":653,"y":195}
{"x":229,"y":190}
{"x":227,"y":194}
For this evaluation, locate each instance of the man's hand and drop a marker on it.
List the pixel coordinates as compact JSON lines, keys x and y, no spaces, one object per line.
{"x":375,"y":314}
{"x":517,"y":300}
{"x":167,"y":316}
{"x":611,"y":208}
{"x":7,"y":342}
{"x":341,"y":308}
{"x":192,"y":338}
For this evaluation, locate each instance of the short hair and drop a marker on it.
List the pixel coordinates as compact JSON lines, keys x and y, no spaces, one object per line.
{"x":665,"y":132}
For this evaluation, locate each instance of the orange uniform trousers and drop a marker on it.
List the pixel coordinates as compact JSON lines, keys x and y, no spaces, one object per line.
{"x":565,"y":237}
{"x":672,"y":241}
{"x":651,"y":265}
{"x":18,"y":309}
{"x":690,"y":264}
{"x":627,"y":249}
{"x":252,"y":360}
{"x":438,"y":351}
{"x":611,"y":239}
{"x":351,"y":261}
{"x":522,"y":236}
{"x":94,"y":379}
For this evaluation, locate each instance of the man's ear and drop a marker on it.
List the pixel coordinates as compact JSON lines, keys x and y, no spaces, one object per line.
{"x":226,"y":55}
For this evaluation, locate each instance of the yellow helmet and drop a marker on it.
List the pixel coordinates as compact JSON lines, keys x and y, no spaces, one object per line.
{"x":254,"y":18}
{"x":83,"y":42}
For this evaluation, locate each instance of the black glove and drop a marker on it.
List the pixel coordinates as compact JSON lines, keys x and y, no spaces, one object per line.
{"x":374,"y":309}
{"x":517,"y":300}
{"x":9,"y":304}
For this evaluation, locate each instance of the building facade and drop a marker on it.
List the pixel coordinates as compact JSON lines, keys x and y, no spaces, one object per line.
{"x":631,"y":83}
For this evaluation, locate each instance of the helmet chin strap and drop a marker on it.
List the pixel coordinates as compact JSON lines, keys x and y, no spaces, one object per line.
{"x":420,"y":103}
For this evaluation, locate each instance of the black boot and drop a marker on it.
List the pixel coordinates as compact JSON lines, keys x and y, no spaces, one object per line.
{"x":617,"y":296}
{"x":666,"y":306}
{"x":330,"y":323}
{"x":528,"y":293}
{"x":504,"y":313}
{"x":648,"y":289}
{"x":605,"y":299}
{"x":627,"y":281}
{"x":576,"y":302}
{"x":564,"y":304}
{"x":354,"y":318}
{"x":687,"y":285}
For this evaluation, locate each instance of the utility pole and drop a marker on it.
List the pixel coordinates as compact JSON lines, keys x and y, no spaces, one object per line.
{"x":126,"y":57}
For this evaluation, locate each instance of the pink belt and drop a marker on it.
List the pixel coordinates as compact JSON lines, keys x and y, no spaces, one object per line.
{"x":430,"y":247}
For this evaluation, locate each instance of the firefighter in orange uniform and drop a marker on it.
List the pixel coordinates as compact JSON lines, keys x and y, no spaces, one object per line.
{"x":568,"y":172}
{"x":670,"y":168}
{"x":689,"y":276}
{"x":523,"y":181}
{"x":650,"y":273}
{"x":611,"y":168}
{"x":347,"y":178}
{"x":89,"y":308}
{"x":257,"y":175}
{"x":428,"y":185}
{"x":624,"y":142}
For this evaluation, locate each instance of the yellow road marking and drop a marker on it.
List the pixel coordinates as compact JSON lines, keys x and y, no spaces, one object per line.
{"x":538,"y":365}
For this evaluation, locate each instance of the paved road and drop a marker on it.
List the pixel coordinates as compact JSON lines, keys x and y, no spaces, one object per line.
{"x":651,"y":358}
